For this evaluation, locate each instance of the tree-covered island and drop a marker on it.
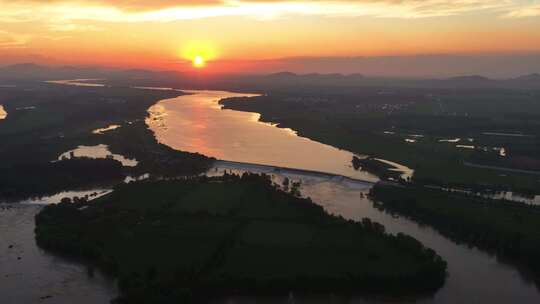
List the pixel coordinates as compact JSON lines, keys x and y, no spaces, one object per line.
{"x":189,"y":240}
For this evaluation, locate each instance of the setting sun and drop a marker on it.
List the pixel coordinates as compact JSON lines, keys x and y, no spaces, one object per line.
{"x":199,"y":53}
{"x":198,"y":62}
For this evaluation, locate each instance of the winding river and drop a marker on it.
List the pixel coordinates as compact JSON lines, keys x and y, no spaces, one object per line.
{"x":196,"y":123}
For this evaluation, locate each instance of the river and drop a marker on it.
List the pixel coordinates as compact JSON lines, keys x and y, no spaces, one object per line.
{"x":196,"y":123}
{"x":28,"y":274}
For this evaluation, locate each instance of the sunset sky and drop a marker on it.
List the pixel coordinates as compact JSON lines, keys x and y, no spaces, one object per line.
{"x":254,"y":34}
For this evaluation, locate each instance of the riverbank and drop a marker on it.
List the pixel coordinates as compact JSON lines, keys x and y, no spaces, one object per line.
{"x":240,"y":167}
{"x":504,"y":169}
{"x":511,"y":230}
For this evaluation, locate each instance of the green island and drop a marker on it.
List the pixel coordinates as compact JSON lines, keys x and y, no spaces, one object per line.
{"x":510,"y":230}
{"x":376,"y":167}
{"x":194,"y":239}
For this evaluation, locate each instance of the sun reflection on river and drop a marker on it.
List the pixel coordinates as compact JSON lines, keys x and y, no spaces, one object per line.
{"x":197,"y":123}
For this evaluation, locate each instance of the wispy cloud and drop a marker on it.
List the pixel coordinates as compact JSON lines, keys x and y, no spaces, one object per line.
{"x":10,"y":40}
{"x":56,"y":38}
{"x":524,"y":12}
{"x":73,"y":27}
{"x":170,"y":10}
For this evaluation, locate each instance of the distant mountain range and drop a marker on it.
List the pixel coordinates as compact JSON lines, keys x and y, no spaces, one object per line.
{"x":34,"y":72}
{"x":31,"y":71}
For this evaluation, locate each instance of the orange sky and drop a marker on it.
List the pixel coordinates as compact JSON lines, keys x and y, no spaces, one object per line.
{"x":167,"y":34}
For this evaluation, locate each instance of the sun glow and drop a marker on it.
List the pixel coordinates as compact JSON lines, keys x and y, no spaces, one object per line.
{"x":199,"y":61}
{"x":199,"y":53}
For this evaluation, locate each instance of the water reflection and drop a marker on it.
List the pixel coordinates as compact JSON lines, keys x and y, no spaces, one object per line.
{"x":452,"y":140}
{"x":56,"y":198}
{"x":106,"y":129}
{"x":515,"y":197}
{"x":495,"y":195}
{"x":78,"y":82}
{"x":506,"y":134}
{"x":99,"y":151}
{"x":406,"y":172}
{"x":3,"y":113}
{"x":156,"y":88}
{"x":196,"y":123}
{"x":131,"y":179}
{"x":31,"y":275}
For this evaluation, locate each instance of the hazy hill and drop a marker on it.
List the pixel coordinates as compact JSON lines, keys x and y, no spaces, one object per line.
{"x":34,"y":72}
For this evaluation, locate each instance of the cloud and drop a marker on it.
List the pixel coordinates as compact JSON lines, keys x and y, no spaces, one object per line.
{"x":10,"y":40}
{"x":73,"y":27}
{"x":523,"y":12}
{"x":56,"y":38}
{"x":171,"y":10}
{"x":132,"y":5}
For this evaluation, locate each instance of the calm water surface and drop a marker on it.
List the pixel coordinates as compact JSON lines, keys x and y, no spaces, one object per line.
{"x":105,"y":129}
{"x":31,"y":275}
{"x":98,"y":151}
{"x":196,"y":123}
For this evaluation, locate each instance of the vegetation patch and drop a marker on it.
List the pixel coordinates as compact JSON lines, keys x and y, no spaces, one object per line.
{"x":377,"y":121}
{"x":511,"y":230}
{"x":34,"y":180}
{"x":376,"y":167}
{"x":63,"y":118}
{"x":194,"y":239}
